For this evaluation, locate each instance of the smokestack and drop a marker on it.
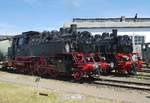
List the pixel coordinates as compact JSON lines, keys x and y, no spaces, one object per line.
{"x":62,"y":31}
{"x":114,"y":32}
{"x":73,"y":28}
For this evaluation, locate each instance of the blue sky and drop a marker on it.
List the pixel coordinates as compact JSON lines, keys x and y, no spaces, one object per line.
{"x":22,"y":15}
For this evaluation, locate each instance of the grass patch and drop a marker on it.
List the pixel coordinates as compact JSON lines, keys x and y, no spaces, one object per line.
{"x":13,"y":93}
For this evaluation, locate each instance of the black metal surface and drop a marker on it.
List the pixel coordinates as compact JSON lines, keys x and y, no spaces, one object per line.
{"x":47,"y":43}
{"x":68,"y":40}
{"x":113,"y":43}
{"x":146,"y":54}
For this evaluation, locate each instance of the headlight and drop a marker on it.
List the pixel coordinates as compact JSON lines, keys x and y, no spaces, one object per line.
{"x":95,"y":66}
{"x":72,"y":69}
{"x":112,"y":65}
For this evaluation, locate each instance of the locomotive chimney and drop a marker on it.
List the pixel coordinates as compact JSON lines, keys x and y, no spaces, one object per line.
{"x":73,"y":28}
{"x":62,"y":30}
{"x":114,"y":32}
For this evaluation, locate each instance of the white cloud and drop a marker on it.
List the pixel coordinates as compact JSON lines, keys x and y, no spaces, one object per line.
{"x":74,"y":3}
{"x":8,"y":29}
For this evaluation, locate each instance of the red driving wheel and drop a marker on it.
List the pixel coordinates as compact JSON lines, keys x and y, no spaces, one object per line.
{"x":77,"y":75}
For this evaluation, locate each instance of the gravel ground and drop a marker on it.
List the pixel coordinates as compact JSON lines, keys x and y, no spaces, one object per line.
{"x":110,"y":93}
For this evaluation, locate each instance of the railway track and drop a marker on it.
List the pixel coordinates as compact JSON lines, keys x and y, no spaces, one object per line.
{"x":123,"y":84}
{"x":139,"y":75}
{"x":142,"y":76}
{"x":145,"y":70}
{"x":111,"y":81}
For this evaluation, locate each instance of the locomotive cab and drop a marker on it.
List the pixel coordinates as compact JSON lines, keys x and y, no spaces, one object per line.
{"x":64,"y":63}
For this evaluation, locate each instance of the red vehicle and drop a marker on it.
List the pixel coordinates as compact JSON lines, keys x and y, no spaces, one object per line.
{"x":124,"y":63}
{"x":137,"y":60}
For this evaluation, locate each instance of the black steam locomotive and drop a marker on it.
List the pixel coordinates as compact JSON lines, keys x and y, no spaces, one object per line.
{"x":119,"y":50}
{"x":65,"y":52}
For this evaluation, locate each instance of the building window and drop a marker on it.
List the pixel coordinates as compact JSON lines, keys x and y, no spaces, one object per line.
{"x":139,"y":40}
